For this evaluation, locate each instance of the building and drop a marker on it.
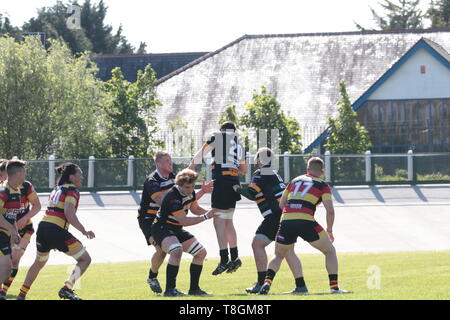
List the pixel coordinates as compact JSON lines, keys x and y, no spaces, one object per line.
{"x":399,"y":82}
{"x":162,"y":63}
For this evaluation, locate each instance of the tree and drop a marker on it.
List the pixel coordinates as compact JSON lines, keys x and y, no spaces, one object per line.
{"x":93,"y":35}
{"x":347,"y":136}
{"x":439,"y":13}
{"x":264,"y":112}
{"x":229,"y":114}
{"x":6,"y":28}
{"x":131,"y":119}
{"x":398,"y":14}
{"x":50,"y":102}
{"x":101,"y":35}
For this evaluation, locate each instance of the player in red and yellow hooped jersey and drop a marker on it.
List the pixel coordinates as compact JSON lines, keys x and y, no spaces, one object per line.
{"x":30,"y":206}
{"x":9,"y":208}
{"x":299,"y":202}
{"x":53,"y":231}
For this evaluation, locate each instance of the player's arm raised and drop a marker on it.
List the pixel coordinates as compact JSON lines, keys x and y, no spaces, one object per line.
{"x":198,"y":158}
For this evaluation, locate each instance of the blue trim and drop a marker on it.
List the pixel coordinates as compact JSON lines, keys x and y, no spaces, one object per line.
{"x":317,"y":141}
{"x":421,"y":44}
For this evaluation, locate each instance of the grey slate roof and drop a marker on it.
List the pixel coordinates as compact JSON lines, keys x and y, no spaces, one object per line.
{"x":162,"y":63}
{"x":302,"y":70}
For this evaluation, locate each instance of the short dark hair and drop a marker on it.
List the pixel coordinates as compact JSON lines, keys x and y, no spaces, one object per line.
{"x":228,"y":125}
{"x":13,"y":166}
{"x":65,"y":170}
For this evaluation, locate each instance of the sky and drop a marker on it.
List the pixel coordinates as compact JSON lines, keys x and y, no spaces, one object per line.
{"x":207,"y":25}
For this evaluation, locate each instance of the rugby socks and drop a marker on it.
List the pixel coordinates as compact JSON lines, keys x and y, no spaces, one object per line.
{"x":8,"y":282}
{"x":261,"y":277}
{"x":171,"y":276}
{"x":270,"y":276}
{"x":68,"y":285}
{"x":234,"y":253}
{"x":195,"y":270}
{"x":152,"y":275}
{"x":223,"y":256}
{"x":300,"y":282}
{"x":23,"y":291}
{"x":333,"y":281}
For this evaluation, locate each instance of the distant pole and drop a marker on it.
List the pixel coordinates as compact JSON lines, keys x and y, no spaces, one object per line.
{"x":91,"y":172}
{"x":410,"y":165}
{"x":368,"y":158}
{"x":130,"y":177}
{"x":248,"y":175}
{"x":51,"y":171}
{"x":327,"y":166}
{"x":287,"y":170}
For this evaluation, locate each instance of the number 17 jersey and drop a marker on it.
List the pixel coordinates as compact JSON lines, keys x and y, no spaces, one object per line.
{"x":304,"y":194}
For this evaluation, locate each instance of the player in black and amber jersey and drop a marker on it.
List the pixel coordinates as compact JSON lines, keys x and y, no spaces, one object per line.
{"x":228,"y":163}
{"x":9,"y":209}
{"x":30,"y":206}
{"x":53,"y":231}
{"x":156,"y":186}
{"x":299,"y":202}
{"x":266,"y":188}
{"x":168,"y":232}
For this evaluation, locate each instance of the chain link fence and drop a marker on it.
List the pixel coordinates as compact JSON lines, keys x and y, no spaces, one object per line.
{"x":355,"y":169}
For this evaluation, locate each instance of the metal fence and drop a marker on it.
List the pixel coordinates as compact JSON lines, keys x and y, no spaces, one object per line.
{"x":351,"y":169}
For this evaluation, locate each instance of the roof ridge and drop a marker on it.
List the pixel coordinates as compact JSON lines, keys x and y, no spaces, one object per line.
{"x":363,"y":32}
{"x":247,"y":36}
{"x":118,"y":55}
{"x":201,"y":59}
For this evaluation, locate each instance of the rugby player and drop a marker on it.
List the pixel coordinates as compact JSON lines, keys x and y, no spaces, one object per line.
{"x":228,"y":163}
{"x":266,"y":188}
{"x":169,"y":234}
{"x":53,"y":231}
{"x":10,"y":206}
{"x":29,"y":199}
{"x":299,"y":202}
{"x":156,"y":186}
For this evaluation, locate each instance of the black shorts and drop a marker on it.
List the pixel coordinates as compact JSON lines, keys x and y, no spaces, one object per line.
{"x":223,"y":195}
{"x":145,"y":223}
{"x":269,"y":226}
{"x":5,"y":244}
{"x":290,"y":230}
{"x":160,"y":232}
{"x":50,"y":236}
{"x":27,"y":231}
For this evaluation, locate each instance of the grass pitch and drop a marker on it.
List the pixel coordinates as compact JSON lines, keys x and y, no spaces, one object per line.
{"x":369,"y":276}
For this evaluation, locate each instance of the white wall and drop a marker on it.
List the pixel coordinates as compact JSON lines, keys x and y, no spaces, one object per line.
{"x":409,"y":83}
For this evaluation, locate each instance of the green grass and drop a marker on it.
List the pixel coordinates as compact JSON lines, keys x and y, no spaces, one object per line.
{"x":404,"y":275}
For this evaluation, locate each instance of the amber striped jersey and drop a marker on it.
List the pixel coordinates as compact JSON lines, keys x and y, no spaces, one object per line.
{"x":154,"y":186}
{"x":304,"y":194}
{"x":174,"y":204}
{"x":10,"y":204}
{"x":265,"y":189}
{"x":55,"y":210}
{"x":227,"y":154}
{"x":27,"y":194}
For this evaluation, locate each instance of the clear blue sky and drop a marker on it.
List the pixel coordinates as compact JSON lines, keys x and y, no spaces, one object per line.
{"x":207,"y":25}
